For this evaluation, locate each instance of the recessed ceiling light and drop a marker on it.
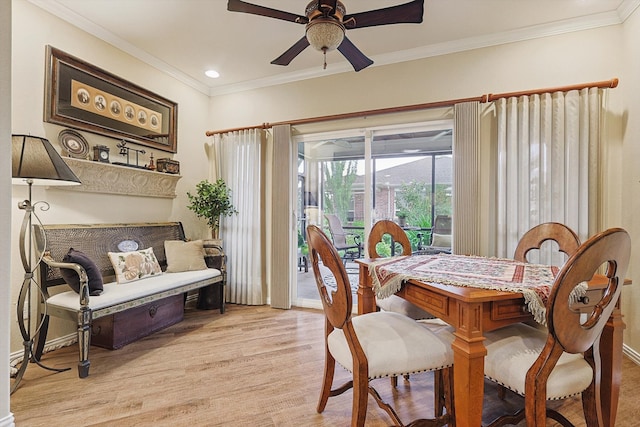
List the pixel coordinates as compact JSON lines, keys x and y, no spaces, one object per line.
{"x":212,"y":73}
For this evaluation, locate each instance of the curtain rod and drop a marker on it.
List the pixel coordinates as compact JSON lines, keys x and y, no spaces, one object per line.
{"x":602,"y":84}
{"x":415,"y":107}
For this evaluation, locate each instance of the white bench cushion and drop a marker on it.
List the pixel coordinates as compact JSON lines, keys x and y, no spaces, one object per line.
{"x":115,"y":293}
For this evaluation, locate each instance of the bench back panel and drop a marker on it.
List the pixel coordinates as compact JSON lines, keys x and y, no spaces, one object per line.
{"x":97,"y":240}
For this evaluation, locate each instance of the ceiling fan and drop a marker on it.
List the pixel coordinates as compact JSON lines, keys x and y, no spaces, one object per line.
{"x":326,"y":22}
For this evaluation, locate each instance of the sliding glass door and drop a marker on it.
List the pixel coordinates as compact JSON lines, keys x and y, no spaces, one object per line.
{"x":349,"y":180}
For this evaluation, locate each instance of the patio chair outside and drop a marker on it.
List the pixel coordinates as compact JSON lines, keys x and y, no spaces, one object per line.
{"x":348,"y":244}
{"x":440,"y":240}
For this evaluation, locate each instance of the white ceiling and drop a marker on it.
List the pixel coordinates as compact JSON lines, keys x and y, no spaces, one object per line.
{"x":187,"y":37}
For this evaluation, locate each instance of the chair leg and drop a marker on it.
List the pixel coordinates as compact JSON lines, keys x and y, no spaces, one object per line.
{"x":449,"y":398}
{"x":502,"y":392}
{"x":327,"y":381}
{"x":360,"y":397}
{"x":591,"y":406}
{"x":438,"y":393}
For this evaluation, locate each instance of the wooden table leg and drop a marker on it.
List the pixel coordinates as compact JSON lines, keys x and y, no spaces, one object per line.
{"x":468,"y":362}
{"x":366,"y":297}
{"x":611,"y":358}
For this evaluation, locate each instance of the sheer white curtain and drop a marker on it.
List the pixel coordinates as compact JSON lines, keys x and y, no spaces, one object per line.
{"x":548,"y":165}
{"x":236,"y":158}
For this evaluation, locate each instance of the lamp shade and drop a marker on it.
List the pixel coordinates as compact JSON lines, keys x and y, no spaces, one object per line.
{"x":35,"y":161}
{"x":325,"y":34}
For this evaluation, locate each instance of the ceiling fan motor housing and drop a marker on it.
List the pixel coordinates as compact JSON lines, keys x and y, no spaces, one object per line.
{"x":319,"y":8}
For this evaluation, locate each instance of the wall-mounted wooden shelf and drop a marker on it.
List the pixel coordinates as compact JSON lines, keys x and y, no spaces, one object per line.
{"x":98,"y":177}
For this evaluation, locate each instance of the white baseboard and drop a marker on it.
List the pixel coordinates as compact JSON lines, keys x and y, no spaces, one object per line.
{"x":631,"y":354}
{"x":8,"y":421}
{"x":54,"y":344}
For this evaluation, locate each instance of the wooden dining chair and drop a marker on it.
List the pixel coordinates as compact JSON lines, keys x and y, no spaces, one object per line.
{"x":564,"y":360}
{"x":567,"y":240}
{"x":394,"y":303}
{"x":373,"y":345}
{"x":398,"y":237}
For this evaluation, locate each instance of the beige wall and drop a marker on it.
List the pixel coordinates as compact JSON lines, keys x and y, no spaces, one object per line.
{"x":33,"y":29}
{"x":628,"y":188}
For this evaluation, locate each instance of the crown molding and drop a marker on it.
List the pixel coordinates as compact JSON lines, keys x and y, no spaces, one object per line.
{"x":534,"y":32}
{"x":66,"y":14}
{"x":626,"y":8}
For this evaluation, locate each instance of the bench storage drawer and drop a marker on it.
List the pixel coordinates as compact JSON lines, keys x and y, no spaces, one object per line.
{"x":119,"y":329}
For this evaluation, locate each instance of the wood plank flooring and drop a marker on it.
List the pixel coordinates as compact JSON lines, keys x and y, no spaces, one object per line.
{"x":252,"y":366}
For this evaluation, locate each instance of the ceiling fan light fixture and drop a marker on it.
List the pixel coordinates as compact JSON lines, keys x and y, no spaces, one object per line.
{"x":325,"y":34}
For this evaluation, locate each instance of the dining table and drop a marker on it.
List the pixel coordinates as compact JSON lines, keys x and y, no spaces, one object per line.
{"x":477,"y":294}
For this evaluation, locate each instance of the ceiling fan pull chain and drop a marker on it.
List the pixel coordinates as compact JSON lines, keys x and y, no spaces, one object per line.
{"x":324,"y":51}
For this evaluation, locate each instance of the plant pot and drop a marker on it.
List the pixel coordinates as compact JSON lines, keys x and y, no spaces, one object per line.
{"x":207,"y":243}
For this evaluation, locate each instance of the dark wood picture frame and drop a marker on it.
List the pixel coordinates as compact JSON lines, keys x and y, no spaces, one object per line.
{"x":82,"y":96}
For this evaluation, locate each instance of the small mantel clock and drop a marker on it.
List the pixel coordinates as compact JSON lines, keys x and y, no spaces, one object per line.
{"x":101,"y":153}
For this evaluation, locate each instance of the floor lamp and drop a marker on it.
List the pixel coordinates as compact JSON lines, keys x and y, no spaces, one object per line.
{"x":33,"y":161}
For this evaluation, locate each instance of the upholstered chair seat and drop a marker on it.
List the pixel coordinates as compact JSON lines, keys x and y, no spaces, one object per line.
{"x":396,"y":304}
{"x":394,"y":345}
{"x":512,"y":350}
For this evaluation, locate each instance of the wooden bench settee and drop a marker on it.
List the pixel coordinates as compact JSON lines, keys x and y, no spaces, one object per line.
{"x":123,"y":312}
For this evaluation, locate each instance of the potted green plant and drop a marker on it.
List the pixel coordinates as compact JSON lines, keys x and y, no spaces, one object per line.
{"x":402,"y":218}
{"x":211,"y":201}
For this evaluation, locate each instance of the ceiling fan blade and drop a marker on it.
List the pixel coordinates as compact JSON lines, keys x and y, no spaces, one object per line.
{"x":408,"y":13}
{"x":353,"y":55}
{"x":292,"y":52}
{"x":243,"y":6}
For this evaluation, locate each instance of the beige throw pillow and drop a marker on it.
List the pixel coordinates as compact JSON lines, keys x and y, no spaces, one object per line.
{"x":184,"y":256}
{"x":134,"y":265}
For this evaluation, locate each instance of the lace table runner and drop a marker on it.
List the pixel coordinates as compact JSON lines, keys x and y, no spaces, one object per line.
{"x":534,"y":281}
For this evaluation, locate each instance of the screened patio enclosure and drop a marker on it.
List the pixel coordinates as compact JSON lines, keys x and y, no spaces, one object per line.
{"x":403,"y":174}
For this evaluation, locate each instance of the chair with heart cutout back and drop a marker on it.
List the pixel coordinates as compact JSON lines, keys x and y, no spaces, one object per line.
{"x":567,"y":240}
{"x":396,"y":304}
{"x":398,"y":237}
{"x":366,"y":345}
{"x":564,"y":360}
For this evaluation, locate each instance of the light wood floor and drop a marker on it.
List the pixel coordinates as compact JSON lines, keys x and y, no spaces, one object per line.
{"x":252,"y":366}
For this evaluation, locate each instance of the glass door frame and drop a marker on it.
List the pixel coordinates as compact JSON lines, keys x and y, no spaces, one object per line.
{"x":369,"y":135}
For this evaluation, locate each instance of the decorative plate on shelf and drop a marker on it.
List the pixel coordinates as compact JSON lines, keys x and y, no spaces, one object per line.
{"x":74,"y":144}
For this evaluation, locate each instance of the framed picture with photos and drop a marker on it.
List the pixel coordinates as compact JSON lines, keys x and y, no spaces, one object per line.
{"x":86,"y":97}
